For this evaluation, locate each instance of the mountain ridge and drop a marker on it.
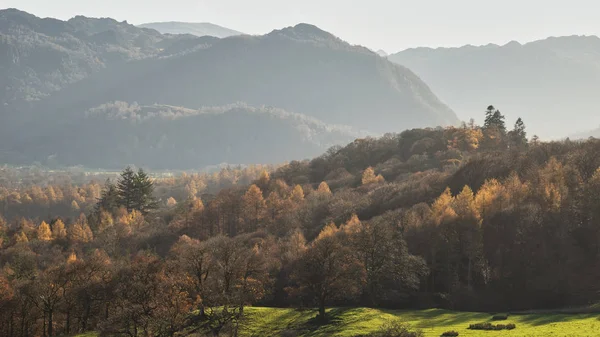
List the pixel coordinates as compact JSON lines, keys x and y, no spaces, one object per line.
{"x":540,"y":81}
{"x":194,"y":28}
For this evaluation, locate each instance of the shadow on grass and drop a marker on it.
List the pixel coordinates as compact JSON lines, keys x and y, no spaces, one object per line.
{"x":338,"y":320}
{"x":543,"y":319}
{"x":435,"y":318}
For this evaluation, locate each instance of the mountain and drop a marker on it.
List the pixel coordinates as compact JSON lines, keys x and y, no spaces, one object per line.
{"x":197,"y":29}
{"x":382,"y":53}
{"x":595,"y":133}
{"x":41,"y":56}
{"x":552,"y":84}
{"x":85,"y":63}
{"x":166,"y":137}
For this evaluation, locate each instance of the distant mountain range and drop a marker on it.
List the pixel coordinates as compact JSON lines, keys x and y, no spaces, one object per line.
{"x":552,"y":84}
{"x":55,"y":71}
{"x":198,"y":29}
{"x":165,"y":137}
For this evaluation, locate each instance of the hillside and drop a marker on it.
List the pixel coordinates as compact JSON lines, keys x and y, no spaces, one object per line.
{"x":41,"y":56}
{"x":197,"y":29}
{"x":456,"y":218}
{"x":545,"y":82}
{"x":355,"y":322}
{"x":167,"y":137}
{"x":55,"y":71}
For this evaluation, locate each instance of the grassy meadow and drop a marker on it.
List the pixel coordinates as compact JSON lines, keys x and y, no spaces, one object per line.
{"x":348,"y":322}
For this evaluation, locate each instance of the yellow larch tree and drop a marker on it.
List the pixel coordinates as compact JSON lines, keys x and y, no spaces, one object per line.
{"x":43,"y":232}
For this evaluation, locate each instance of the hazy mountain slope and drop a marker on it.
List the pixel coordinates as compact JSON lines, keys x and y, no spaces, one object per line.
{"x":165,"y":137}
{"x":300,"y":69}
{"x":41,"y":56}
{"x":198,"y":29}
{"x":584,"y":135}
{"x":548,"y":82}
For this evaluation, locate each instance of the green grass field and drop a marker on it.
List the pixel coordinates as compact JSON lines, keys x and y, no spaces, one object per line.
{"x":265,"y":322}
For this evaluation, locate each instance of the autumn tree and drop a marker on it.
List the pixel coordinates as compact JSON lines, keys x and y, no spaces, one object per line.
{"x":369,"y":177}
{"x":43,"y":232}
{"x":80,"y":231}
{"x":328,"y":270}
{"x":254,"y":209}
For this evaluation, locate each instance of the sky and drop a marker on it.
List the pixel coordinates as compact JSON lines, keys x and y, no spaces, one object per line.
{"x":391,"y":25}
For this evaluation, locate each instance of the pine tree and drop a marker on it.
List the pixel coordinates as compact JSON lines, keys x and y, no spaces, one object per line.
{"x":494,"y":128}
{"x":126,"y":188}
{"x":143,"y":200}
{"x":518,"y":136}
{"x":135,"y":191}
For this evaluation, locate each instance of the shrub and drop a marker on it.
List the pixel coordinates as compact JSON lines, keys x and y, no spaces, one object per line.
{"x":395,"y":329}
{"x":490,"y":326}
{"x":449,"y":334}
{"x":500,"y":317}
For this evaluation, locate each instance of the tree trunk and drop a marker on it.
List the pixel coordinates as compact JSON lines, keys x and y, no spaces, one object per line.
{"x":44,"y":325}
{"x":50,"y":324}
{"x":68,"y":323}
{"x":322,"y":309}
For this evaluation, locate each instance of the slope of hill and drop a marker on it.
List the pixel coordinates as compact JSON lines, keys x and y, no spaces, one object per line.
{"x":545,"y":82}
{"x":301,"y":69}
{"x":352,"y":322}
{"x":41,"y":56}
{"x":198,"y":29}
{"x":167,"y":137}
{"x":56,"y":70}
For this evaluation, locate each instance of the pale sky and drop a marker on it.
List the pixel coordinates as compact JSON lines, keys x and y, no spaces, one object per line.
{"x":392,"y":25}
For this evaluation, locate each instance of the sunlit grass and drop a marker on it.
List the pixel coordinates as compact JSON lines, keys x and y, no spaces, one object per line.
{"x":349,"y":322}
{"x":352,"y":322}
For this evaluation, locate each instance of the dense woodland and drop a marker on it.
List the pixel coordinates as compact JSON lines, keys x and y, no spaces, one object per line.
{"x":469,"y":218}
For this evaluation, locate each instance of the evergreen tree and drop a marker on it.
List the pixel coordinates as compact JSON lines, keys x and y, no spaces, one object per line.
{"x":518,"y":136}
{"x":494,"y":129}
{"x":126,"y":189}
{"x":134,"y":191}
{"x":143,"y":200}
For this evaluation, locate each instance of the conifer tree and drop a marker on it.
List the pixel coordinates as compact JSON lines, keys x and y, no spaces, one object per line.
{"x":297,"y":195}
{"x":254,"y":208}
{"x":324,"y":189}
{"x":43,"y":232}
{"x":126,"y":189}
{"x":143,"y":200}
{"x":58,"y":230}
{"x":518,"y":135}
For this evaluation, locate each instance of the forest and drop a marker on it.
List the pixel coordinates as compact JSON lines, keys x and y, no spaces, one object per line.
{"x":476,"y":218}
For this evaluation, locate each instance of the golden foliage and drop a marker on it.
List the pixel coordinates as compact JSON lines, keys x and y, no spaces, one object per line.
{"x":171,"y":202}
{"x":43,"y":232}
{"x":328,"y":231}
{"x":324,"y":189}
{"x":80,"y":231}
{"x":59,"y":230}
{"x":369,"y":177}
{"x":297,"y":195}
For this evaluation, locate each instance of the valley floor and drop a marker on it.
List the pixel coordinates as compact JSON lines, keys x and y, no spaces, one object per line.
{"x":349,"y":322}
